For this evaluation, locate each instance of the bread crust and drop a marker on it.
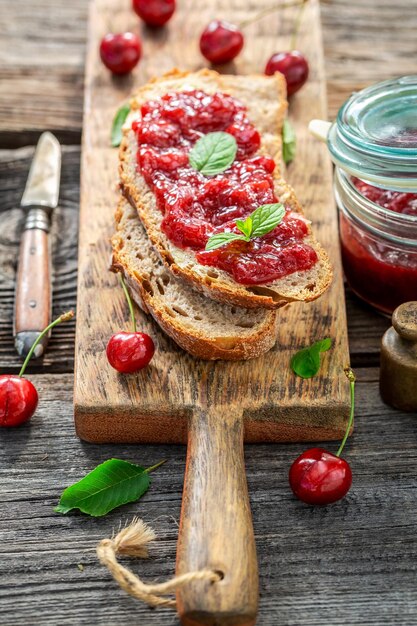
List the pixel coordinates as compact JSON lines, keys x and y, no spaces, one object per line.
{"x":214,"y":283}
{"x":193,"y":340}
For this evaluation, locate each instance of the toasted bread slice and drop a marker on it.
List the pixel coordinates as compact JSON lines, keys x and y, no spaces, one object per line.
{"x":264,"y":97}
{"x":206,"y":329}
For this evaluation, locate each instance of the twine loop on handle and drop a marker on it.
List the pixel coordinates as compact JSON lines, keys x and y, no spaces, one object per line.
{"x":133,"y":541}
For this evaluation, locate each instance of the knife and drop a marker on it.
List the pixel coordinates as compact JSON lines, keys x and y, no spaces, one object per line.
{"x":33,"y":286}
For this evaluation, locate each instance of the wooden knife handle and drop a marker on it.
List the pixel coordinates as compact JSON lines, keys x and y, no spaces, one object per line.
{"x":216,"y":529}
{"x":33,"y":285}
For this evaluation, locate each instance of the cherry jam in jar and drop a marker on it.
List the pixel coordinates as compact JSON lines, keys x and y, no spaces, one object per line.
{"x":378,"y":243}
{"x":374,"y":146}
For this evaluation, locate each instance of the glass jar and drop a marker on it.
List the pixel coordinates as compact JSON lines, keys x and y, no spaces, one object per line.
{"x":373,"y":143}
{"x":379,"y":246}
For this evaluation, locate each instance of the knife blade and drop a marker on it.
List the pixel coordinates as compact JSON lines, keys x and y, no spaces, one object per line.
{"x":33,"y":284}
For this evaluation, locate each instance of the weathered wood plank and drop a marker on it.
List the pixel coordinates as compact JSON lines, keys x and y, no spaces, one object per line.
{"x":41,"y":74}
{"x":352,"y":563}
{"x":14,"y":168}
{"x":365,"y":41}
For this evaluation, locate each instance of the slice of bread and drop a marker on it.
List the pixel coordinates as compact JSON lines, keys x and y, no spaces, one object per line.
{"x":206,"y":329}
{"x":264,"y":97}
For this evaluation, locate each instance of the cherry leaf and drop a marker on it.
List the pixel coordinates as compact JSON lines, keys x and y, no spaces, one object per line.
{"x":109,"y":485}
{"x":306,"y":362}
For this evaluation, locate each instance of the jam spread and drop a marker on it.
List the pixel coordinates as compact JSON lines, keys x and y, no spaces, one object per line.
{"x":195,"y":206}
{"x":382,"y":273}
{"x":397,"y":201}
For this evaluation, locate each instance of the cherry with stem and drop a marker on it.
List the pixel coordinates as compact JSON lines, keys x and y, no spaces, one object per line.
{"x":221,"y":41}
{"x":129,"y":352}
{"x":292,"y":64}
{"x":352,"y":380}
{"x":318,"y":476}
{"x":18,"y":396}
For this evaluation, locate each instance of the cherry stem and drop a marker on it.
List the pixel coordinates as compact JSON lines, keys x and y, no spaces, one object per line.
{"x":129,"y":302}
{"x":297,"y":25}
{"x":351,"y":377}
{"x":62,"y":318}
{"x":277,"y":7}
{"x":154,"y":467}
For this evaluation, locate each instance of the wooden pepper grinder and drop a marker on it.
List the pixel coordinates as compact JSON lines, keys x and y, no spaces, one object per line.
{"x":398,"y":376}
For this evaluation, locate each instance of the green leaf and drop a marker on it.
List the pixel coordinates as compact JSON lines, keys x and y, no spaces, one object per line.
{"x":213,"y":153}
{"x":306,"y":362}
{"x":109,"y":485}
{"x":245,"y":227}
{"x":265,"y":218}
{"x":117,"y":125}
{"x":221,"y":239}
{"x":288,"y":142}
{"x":260,"y":222}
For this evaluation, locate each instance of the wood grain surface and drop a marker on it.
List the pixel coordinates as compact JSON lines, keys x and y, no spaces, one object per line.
{"x":353,"y":563}
{"x":276,"y":405}
{"x":364,"y":41}
{"x":216,"y":529}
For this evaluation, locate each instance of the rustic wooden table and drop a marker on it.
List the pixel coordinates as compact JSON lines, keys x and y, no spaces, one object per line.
{"x":352,"y":563}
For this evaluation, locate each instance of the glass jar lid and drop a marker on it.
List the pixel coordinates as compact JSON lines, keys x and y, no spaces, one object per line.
{"x":375,"y":134}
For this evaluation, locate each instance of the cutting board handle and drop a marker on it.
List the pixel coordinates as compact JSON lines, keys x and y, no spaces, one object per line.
{"x":216,"y":529}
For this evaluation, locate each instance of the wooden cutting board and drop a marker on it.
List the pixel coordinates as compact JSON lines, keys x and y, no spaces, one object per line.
{"x":214,"y":404}
{"x":155,"y":405}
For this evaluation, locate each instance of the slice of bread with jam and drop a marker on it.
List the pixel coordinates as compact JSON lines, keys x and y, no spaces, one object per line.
{"x":206,"y":329}
{"x":265,"y":103}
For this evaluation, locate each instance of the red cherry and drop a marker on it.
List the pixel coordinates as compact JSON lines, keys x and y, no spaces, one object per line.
{"x":154,"y":12}
{"x":121,"y":52}
{"x":129,"y":352}
{"x":293,"y":65}
{"x":221,"y":42}
{"x":18,"y":400}
{"x":320,"y":477}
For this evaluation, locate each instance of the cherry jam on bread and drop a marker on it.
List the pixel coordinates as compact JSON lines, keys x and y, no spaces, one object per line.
{"x":195,"y":206}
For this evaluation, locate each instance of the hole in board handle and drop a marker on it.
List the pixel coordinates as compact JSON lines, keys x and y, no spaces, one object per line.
{"x":220,"y":574}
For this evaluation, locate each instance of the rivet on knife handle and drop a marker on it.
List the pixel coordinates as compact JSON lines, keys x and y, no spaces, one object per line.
{"x":33,"y":287}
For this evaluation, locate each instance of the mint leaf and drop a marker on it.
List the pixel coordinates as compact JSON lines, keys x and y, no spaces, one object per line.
{"x":245,"y":227}
{"x":109,"y":485}
{"x":213,"y":153}
{"x":265,"y":218}
{"x":219,"y":240}
{"x":306,"y":362}
{"x":260,"y":222}
{"x":117,"y":125}
{"x":288,"y":142}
